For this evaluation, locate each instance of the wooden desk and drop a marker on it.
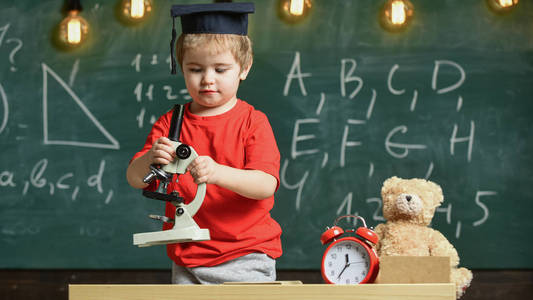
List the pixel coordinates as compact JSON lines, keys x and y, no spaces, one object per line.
{"x":440,"y":291}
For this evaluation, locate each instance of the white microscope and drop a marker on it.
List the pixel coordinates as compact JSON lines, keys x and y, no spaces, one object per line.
{"x":185,"y":228}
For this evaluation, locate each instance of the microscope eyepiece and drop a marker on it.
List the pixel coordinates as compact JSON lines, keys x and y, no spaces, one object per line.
{"x":183,"y":151}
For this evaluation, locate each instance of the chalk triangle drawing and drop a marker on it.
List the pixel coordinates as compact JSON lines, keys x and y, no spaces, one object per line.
{"x":113,"y":143}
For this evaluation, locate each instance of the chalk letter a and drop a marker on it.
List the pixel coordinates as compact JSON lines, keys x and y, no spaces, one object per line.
{"x":296,"y":72}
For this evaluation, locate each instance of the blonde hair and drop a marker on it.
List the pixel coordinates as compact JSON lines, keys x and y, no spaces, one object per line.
{"x":239,"y":45}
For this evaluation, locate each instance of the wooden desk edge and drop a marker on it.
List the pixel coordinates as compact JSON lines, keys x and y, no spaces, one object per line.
{"x":437,"y":291}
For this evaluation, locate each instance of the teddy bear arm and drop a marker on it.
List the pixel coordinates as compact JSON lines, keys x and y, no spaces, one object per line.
{"x":440,"y":246}
{"x":380,"y":231}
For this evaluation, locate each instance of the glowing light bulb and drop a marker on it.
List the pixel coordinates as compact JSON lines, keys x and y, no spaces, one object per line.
{"x":396,"y":15}
{"x":134,"y":11}
{"x":137,"y":8}
{"x":506,"y":3}
{"x":502,"y":6}
{"x":296,"y":7}
{"x":73,"y":30}
{"x":398,"y":12}
{"x":294,"y":11}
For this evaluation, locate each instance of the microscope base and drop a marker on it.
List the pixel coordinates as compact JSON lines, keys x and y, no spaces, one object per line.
{"x":171,"y":236}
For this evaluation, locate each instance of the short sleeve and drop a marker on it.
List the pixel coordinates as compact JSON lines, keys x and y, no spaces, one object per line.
{"x":261,"y":150}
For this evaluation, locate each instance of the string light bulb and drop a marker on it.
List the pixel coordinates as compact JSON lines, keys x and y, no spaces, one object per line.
{"x":296,"y":7}
{"x":502,"y":6}
{"x":294,"y":11}
{"x":396,"y":15}
{"x":73,"y":30}
{"x":134,"y":11}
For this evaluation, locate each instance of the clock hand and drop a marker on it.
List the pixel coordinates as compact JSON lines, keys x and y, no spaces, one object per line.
{"x":345,"y":266}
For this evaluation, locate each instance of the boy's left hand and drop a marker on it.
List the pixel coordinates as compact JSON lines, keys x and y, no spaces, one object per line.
{"x":253,"y":184}
{"x":203,"y":169}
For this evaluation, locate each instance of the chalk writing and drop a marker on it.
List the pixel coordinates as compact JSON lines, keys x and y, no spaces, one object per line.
{"x":346,"y":78}
{"x":470,"y":139}
{"x":5,"y":105}
{"x":20,"y":228}
{"x":377,"y":211}
{"x":38,"y":179}
{"x":136,"y":62}
{"x":152,"y":59}
{"x":113,"y":143}
{"x":391,"y":146}
{"x":346,"y":205}
{"x":3,"y":31}
{"x":397,"y":92}
{"x":462,"y":77}
{"x":297,"y":186}
{"x":6,"y":179}
{"x":14,"y":50}
{"x":74,"y":72}
{"x":345,"y":142}
{"x":398,"y":141}
{"x":296,"y":72}
{"x":139,"y":91}
{"x":151,"y":92}
{"x":97,"y":229}
{"x":296,"y":137}
{"x":483,"y":207}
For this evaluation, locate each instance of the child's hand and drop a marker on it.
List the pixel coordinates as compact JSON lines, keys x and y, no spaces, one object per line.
{"x":162,"y":151}
{"x":204,"y":169}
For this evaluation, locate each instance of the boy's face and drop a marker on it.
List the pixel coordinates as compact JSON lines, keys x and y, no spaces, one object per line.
{"x":212,"y":80}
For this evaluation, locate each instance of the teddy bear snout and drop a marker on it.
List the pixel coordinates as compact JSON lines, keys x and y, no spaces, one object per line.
{"x":409,"y":204}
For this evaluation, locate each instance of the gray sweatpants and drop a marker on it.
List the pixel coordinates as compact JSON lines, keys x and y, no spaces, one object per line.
{"x":254,"y":267}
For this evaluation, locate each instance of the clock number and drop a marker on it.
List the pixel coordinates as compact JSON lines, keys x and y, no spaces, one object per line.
{"x":334,"y":255}
{"x":356,"y":279}
{"x":332,"y":273}
{"x":347,"y":281}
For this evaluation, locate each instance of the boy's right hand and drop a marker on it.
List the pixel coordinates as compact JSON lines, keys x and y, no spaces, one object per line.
{"x":162,"y":151}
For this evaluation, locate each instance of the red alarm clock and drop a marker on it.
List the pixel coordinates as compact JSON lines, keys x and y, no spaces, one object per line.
{"x":349,"y":259}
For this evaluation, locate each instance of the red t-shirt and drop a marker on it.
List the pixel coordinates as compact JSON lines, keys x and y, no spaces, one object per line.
{"x":240,"y":138}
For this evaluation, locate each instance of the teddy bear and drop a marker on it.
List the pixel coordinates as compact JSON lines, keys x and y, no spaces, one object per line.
{"x":408,"y":208}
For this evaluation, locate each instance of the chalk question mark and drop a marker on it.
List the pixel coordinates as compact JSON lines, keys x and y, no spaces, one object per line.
{"x":13,"y":52}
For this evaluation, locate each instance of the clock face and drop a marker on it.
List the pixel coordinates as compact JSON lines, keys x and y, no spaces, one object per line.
{"x":346,"y":262}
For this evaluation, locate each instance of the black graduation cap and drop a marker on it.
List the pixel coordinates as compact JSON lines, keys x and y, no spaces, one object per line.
{"x":221,"y":18}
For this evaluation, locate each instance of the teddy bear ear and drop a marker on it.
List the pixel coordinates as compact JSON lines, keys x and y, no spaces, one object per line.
{"x":438,"y":195}
{"x":391,"y":180}
{"x":388,"y":182}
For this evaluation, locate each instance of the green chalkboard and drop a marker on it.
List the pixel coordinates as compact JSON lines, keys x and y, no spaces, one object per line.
{"x":449,"y":99}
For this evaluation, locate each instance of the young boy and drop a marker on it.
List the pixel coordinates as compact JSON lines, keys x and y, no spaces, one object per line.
{"x":238,"y":155}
